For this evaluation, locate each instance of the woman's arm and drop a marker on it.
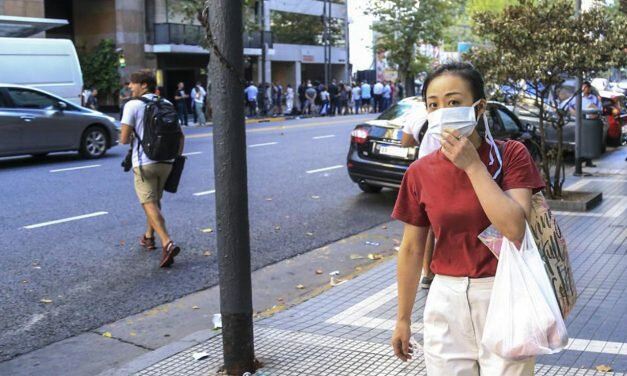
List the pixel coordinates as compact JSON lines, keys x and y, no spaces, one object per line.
{"x":409,"y":265}
{"x":506,"y":210}
{"x":408,"y":275}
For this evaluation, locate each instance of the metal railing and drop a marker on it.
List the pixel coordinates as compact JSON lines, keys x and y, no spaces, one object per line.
{"x":193,"y":35}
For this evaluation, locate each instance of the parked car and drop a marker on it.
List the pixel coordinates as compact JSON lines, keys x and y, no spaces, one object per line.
{"x":376,"y":159}
{"x":35,"y":122}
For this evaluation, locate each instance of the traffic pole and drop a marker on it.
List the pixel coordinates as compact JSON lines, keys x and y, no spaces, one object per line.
{"x":224,"y":30}
{"x":578,"y":121}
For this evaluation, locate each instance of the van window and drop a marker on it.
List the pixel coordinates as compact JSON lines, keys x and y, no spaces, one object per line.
{"x":4,"y":103}
{"x":30,"y":99}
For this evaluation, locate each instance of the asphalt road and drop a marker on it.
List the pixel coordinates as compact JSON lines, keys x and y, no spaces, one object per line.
{"x":91,"y":270}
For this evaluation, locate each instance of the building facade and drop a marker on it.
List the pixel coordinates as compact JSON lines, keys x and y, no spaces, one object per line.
{"x":150,"y":34}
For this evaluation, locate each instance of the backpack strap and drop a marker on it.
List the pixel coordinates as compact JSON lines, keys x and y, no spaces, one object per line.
{"x":139,"y":139}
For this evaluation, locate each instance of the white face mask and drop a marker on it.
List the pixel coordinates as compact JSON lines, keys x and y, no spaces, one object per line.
{"x":461,"y":118}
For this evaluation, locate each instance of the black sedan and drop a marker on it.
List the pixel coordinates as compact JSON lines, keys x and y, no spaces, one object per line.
{"x":376,"y":158}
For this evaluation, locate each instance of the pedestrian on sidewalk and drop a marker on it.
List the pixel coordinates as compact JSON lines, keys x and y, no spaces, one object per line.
{"x":301,"y":96}
{"x":387,"y":96}
{"x":453,"y":190}
{"x":124,"y":96}
{"x":365,"y":97}
{"x":289,"y":99}
{"x":334,"y":99}
{"x":377,"y":94}
{"x":92,"y":101}
{"x":198,"y":97}
{"x":344,"y":96}
{"x":356,"y":95}
{"x":180,"y":97}
{"x":251,"y":98}
{"x":310,"y":99}
{"x":324,"y":98}
{"x":150,"y":175}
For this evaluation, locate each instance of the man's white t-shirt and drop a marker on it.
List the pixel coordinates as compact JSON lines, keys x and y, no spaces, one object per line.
{"x":356,"y":93}
{"x":378,"y":88}
{"x":133,"y":116}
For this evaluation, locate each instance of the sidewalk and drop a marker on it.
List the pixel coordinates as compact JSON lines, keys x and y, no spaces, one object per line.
{"x":346,"y":330}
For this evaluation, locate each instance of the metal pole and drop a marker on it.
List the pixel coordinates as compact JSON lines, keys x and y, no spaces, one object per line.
{"x":347,"y":74}
{"x":329,"y":41}
{"x":262,"y":102}
{"x":578,"y":122}
{"x":229,"y":142}
{"x":325,"y":39}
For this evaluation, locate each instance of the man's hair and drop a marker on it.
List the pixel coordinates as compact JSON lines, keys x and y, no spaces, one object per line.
{"x":144,"y":76}
{"x":586,"y":83}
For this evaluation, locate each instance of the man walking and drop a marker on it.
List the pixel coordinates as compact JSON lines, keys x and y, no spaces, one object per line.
{"x":181,"y":103}
{"x":365,"y":97}
{"x":92,"y":101}
{"x":150,"y":175}
{"x":301,"y":96}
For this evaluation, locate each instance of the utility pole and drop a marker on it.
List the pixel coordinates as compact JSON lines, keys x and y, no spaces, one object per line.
{"x":262,"y":14}
{"x":330,"y":65}
{"x":347,"y":74}
{"x":578,"y":122}
{"x":224,"y":28}
{"x":325,"y":41}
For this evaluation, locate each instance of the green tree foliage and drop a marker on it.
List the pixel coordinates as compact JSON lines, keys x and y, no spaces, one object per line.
{"x":294,"y":28}
{"x":403,"y":25}
{"x":542,"y":43}
{"x":100,"y":67}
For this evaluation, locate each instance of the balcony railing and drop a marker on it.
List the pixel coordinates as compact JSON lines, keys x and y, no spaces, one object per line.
{"x":193,"y":35}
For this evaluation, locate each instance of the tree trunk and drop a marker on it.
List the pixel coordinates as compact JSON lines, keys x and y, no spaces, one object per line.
{"x":546,"y":171}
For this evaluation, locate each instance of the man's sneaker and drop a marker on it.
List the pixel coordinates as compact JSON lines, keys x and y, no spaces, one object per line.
{"x":425,"y":282}
{"x":169,"y":252}
{"x":148,"y":243}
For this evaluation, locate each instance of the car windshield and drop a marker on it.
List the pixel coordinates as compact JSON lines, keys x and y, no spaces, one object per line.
{"x":397,"y":111}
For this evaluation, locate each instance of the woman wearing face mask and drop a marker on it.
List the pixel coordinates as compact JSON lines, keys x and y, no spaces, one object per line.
{"x":461,"y":187}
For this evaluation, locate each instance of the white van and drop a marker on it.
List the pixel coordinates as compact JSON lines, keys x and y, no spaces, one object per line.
{"x":48,"y":64}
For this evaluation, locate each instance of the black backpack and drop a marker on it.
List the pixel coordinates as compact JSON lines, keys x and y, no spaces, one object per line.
{"x":162,"y":131}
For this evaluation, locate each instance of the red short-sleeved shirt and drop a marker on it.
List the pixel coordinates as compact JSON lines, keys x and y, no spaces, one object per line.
{"x":436,"y":193}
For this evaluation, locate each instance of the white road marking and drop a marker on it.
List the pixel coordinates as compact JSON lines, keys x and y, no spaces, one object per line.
{"x":192,"y":153}
{"x":75,"y":168}
{"x":96,"y":214}
{"x":205,"y":193}
{"x":357,"y":315}
{"x":325,"y":169}
{"x":266,"y":144}
{"x":321,"y":137}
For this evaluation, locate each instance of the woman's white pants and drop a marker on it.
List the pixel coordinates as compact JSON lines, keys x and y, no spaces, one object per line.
{"x":454,"y":319}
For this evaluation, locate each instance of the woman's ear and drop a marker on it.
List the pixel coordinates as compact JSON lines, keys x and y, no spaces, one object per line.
{"x":481,"y":107}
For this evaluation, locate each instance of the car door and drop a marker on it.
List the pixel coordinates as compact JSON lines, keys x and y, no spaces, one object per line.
{"x":510,"y":125}
{"x":44,"y":128}
{"x":10,"y":126}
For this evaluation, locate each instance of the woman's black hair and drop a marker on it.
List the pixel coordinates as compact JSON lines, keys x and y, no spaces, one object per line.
{"x":464,"y":70}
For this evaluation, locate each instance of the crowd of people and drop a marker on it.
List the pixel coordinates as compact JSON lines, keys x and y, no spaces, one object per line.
{"x":317,"y":99}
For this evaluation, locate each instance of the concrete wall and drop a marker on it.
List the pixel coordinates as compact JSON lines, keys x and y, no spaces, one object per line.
{"x":94,"y":20}
{"x":22,"y":8}
{"x":306,"y":54}
{"x":130,"y":31}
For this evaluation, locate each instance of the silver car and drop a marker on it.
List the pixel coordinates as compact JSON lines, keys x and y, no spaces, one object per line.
{"x":35,"y":122}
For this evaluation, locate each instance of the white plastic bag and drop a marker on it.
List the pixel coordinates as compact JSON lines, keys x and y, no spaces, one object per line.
{"x":523,"y":318}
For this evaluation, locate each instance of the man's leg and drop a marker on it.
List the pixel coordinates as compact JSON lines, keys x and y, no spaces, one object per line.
{"x":156,"y":221}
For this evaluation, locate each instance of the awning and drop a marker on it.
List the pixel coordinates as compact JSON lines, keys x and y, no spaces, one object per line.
{"x":26,"y":26}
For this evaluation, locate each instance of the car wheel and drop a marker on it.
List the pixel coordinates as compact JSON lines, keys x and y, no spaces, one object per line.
{"x":369,"y":188}
{"x":93,"y":143}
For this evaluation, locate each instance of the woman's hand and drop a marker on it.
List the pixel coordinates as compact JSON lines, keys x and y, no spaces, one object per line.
{"x":400,"y":341}
{"x":459,"y":150}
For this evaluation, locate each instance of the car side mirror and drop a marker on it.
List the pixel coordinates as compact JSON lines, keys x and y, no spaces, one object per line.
{"x":61,"y":106}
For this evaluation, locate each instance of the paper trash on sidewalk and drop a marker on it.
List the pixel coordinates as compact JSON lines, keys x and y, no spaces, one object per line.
{"x":374,"y":244}
{"x":217,"y":321}
{"x":604,"y":368}
{"x":200,"y":355}
{"x":374,"y":256}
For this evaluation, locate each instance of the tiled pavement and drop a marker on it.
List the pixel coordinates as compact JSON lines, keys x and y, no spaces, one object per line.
{"x":346,"y":331}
